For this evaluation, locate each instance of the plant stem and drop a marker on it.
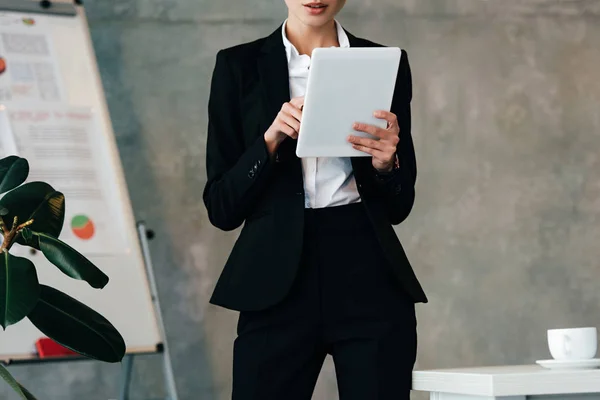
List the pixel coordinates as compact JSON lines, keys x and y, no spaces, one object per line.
{"x":11,"y":235}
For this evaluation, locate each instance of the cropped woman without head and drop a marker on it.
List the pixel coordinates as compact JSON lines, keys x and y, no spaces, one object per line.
{"x":317,"y":268}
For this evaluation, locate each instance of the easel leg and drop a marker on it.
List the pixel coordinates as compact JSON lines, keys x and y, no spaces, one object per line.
{"x":169,"y":376}
{"x":126,"y":377}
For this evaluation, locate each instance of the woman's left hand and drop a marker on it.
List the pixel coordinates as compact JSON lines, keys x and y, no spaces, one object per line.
{"x":384,"y":149}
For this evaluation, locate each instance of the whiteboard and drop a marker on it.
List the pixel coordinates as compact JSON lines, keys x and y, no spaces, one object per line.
{"x":76,"y":91}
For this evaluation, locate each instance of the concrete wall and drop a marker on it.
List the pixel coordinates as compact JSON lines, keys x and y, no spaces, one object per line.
{"x":506,"y":227}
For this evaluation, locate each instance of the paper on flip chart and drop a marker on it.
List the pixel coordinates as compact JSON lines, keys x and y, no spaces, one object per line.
{"x":28,"y":68}
{"x":64,"y":150}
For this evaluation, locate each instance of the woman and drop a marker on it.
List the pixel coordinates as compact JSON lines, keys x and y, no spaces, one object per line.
{"x":317,"y":268}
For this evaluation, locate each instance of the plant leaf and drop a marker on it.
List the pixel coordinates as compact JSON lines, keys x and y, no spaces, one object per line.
{"x":19,"y":288}
{"x":76,"y":326}
{"x":26,"y":392}
{"x":21,"y":391}
{"x":67,"y":259}
{"x":13,"y":171}
{"x":38,"y":201}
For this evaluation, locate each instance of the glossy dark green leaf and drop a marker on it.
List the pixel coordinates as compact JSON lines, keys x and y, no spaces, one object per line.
{"x":76,"y":326}
{"x":13,"y":171}
{"x":67,"y":259}
{"x":38,"y":201}
{"x":27,"y":393}
{"x":20,"y":390}
{"x":19,"y":288}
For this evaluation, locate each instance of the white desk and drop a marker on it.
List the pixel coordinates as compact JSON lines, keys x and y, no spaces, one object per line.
{"x":509,"y":383}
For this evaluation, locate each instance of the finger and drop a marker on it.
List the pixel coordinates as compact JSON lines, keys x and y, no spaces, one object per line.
{"x":385,"y":150}
{"x":366,"y":142}
{"x":289,"y":120}
{"x":374,"y":152}
{"x":291,"y":110}
{"x":384,"y":135}
{"x":297,"y":102}
{"x":390,"y":117}
{"x":370,"y":129}
{"x":288,"y":130}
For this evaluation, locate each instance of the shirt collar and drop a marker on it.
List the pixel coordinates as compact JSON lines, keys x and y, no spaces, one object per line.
{"x":291,"y":51}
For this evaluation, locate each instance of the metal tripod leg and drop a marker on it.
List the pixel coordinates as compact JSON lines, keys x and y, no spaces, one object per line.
{"x":127,"y":368}
{"x":126,"y":377}
{"x":169,"y":376}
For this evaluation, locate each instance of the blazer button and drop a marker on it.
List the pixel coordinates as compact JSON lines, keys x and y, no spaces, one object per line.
{"x":251,"y":174}
{"x":398,"y":189}
{"x":258,"y":163}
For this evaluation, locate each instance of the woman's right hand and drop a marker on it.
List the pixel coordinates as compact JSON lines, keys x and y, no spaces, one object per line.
{"x":287,"y":123}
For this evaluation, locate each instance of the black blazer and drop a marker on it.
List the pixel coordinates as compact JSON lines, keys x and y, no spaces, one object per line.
{"x":249,"y":85}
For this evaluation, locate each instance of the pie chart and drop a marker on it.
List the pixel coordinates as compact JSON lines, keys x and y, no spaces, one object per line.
{"x":82,"y":227}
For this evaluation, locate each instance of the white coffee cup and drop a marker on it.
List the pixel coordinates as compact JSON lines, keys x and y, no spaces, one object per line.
{"x":573,"y":343}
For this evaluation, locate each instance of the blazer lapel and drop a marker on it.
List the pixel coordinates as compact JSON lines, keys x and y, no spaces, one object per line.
{"x":273,"y":72}
{"x":358,"y":42}
{"x":274,"y":78}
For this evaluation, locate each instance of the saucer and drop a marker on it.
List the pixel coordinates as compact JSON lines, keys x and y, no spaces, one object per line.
{"x":570,"y":364}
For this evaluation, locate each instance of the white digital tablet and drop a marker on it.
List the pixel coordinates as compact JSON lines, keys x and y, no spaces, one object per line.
{"x":345,"y":85}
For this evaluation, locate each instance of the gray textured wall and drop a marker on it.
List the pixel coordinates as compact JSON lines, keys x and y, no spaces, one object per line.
{"x":506,"y":227}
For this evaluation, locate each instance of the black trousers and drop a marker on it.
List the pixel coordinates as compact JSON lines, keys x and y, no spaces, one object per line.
{"x":345,"y":302}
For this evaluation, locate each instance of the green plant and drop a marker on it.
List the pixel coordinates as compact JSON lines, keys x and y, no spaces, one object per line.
{"x":32,"y":214}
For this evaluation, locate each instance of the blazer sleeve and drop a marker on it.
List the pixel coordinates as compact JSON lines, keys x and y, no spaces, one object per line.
{"x":236,"y":172}
{"x":398,"y":188}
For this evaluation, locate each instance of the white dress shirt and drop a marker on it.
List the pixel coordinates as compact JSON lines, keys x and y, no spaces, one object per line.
{"x":328,"y":182}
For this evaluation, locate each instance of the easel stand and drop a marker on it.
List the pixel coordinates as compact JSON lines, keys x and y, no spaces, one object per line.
{"x":169,"y":378}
